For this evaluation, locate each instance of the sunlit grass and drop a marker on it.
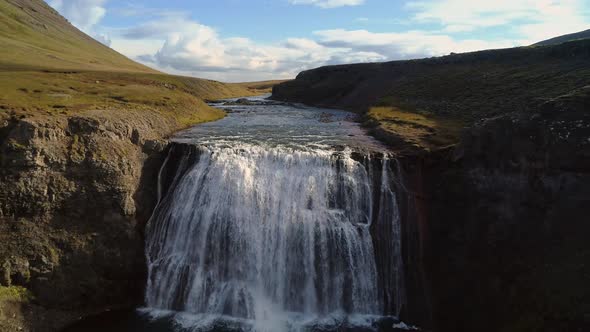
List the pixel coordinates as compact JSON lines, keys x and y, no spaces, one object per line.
{"x":423,"y":129}
{"x":35,"y":93}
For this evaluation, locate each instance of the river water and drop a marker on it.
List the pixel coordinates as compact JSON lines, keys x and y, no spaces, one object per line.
{"x":266,"y":222}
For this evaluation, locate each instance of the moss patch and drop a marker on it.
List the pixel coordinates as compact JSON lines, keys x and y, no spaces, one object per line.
{"x":15,"y":294}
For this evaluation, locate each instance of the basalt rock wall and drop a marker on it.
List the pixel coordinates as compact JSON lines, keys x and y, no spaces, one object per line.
{"x":507,"y":223}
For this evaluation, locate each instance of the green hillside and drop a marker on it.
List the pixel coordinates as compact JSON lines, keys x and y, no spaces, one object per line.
{"x":33,"y":35}
{"x":48,"y":68}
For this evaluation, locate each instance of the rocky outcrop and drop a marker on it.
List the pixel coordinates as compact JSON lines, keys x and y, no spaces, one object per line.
{"x":74,"y":193}
{"x":508,"y":222}
{"x":496,"y":226}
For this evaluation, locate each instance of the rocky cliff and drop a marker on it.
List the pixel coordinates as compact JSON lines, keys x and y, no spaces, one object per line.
{"x":73,"y":192}
{"x":508,"y":222}
{"x":495,"y":221}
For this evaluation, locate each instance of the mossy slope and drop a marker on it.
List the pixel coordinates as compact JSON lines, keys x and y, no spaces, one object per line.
{"x":33,"y":35}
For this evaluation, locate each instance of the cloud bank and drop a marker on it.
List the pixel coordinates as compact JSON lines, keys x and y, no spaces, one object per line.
{"x":173,"y":42}
{"x":533,"y":20}
{"x":83,"y":14}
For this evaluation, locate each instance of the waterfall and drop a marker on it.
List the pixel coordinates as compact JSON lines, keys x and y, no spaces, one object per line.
{"x":272,"y":235}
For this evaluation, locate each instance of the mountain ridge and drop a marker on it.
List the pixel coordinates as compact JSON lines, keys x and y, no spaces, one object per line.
{"x":564,"y":38}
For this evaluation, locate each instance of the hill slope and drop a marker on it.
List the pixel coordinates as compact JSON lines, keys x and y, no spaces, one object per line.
{"x":34,"y":35}
{"x":565,"y":38}
{"x":48,"y":67}
{"x":427,"y":101}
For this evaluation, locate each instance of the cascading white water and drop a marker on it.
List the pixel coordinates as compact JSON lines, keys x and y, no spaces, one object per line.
{"x":275,"y":237}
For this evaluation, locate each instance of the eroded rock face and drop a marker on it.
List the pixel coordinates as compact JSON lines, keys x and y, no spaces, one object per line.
{"x":509,"y":223}
{"x":74,"y":193}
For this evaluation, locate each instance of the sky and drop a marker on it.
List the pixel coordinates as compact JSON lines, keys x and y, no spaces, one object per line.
{"x":253,"y":40}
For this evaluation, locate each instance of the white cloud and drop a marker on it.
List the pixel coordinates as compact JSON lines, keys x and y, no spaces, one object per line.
{"x":303,"y":44}
{"x":84,"y":14}
{"x":136,"y":48}
{"x":532,"y":20}
{"x":182,"y":46}
{"x":405,"y":45}
{"x":328,"y":3}
{"x":189,"y":48}
{"x":172,"y":42}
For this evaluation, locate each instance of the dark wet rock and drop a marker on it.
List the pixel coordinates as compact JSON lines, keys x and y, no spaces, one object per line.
{"x":508,"y":222}
{"x":240,"y":102}
{"x":250,"y":102}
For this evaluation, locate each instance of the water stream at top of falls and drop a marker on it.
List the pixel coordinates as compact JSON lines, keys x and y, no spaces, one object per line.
{"x":265,"y":222}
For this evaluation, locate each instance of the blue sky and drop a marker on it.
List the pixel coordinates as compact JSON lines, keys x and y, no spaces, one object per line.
{"x":248,"y":40}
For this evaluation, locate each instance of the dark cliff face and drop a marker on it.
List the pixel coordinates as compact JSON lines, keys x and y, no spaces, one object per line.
{"x":498,"y":222}
{"x":508,"y":213}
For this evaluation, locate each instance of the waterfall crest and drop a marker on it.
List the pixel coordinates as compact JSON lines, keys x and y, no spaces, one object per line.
{"x":259,"y":234}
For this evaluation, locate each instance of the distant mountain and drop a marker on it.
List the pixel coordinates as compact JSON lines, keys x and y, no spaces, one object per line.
{"x":34,"y":35}
{"x":565,"y":38}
